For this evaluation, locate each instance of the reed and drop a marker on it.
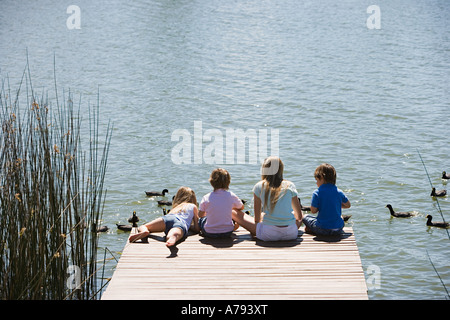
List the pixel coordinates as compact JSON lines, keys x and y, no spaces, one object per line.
{"x":51,"y":195}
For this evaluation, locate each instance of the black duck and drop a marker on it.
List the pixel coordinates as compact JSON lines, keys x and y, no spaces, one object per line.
{"x":156,"y":194}
{"x":438,"y":193}
{"x":102,"y":229}
{"x":399,"y":214}
{"x":444,"y":225}
{"x":124,"y":227}
{"x":134,"y":219}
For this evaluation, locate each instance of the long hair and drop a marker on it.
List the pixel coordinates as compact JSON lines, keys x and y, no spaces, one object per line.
{"x":184,"y":195}
{"x":272,"y":182}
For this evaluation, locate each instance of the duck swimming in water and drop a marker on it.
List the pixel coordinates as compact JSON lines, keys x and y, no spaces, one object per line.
{"x":124,"y":227}
{"x":302,"y":207}
{"x":439,"y":193}
{"x":445,"y":175}
{"x":165,"y":203}
{"x":156,"y":194}
{"x":444,"y":225}
{"x":399,"y":214}
{"x":102,"y":229}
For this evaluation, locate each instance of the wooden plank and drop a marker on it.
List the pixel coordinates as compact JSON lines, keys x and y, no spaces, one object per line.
{"x":240,"y":268}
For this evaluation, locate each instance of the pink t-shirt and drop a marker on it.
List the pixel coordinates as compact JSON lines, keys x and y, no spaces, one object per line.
{"x":218,"y":206}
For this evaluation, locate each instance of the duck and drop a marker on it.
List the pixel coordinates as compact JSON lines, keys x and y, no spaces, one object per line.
{"x":124,"y":227}
{"x":444,"y":225}
{"x":134,"y":219}
{"x":302,"y":207}
{"x":102,"y":229}
{"x":445,"y":175}
{"x":156,"y":194}
{"x":399,"y":214}
{"x":165,"y":203}
{"x":439,"y":193}
{"x":165,"y":211}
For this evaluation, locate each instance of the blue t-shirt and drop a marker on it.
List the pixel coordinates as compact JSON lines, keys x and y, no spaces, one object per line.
{"x":328,"y":199}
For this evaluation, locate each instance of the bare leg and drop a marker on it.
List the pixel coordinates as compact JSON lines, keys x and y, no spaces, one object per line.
{"x":157,"y":225}
{"x":245,"y":221}
{"x":173,"y":236}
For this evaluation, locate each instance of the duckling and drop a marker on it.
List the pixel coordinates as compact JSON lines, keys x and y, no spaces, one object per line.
{"x":439,"y":193}
{"x":444,"y":225}
{"x":399,"y":214}
{"x":124,"y":227}
{"x":165,"y":211}
{"x":156,"y":194}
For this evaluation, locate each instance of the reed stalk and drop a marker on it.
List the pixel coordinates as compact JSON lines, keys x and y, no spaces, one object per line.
{"x":51,"y":195}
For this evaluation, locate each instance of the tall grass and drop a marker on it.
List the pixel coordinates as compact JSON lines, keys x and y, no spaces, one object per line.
{"x":51,"y":195}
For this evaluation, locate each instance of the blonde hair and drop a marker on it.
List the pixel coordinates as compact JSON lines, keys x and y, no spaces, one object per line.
{"x":184,"y":195}
{"x":327,"y":172}
{"x":272,"y":182}
{"x":220,"y":179}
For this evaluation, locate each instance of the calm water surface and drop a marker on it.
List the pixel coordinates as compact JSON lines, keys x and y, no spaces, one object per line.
{"x":363,"y":100}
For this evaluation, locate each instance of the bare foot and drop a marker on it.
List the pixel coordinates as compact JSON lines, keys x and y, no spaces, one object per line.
{"x":171,"y":241}
{"x":137,"y":236}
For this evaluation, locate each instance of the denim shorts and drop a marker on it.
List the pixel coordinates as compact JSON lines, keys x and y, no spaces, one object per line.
{"x":201,"y":224}
{"x":172,"y":221}
{"x":311,"y":222}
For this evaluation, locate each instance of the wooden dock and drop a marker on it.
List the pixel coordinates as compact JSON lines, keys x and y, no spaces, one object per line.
{"x":240,"y":268}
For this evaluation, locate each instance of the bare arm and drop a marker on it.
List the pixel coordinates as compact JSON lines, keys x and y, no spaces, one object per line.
{"x":297,"y":211}
{"x":257,"y":208}
{"x":346,"y":205}
{"x":195,"y":227}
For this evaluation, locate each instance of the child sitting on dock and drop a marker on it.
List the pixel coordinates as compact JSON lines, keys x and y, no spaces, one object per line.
{"x":215,"y":211}
{"x":175,"y":224}
{"x":328,"y":201}
{"x":278,"y":213}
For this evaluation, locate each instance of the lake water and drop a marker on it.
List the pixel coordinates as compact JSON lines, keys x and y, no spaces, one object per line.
{"x":312,"y":72}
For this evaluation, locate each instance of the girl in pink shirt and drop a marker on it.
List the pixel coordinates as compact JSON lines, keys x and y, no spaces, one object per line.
{"x":215,"y":211}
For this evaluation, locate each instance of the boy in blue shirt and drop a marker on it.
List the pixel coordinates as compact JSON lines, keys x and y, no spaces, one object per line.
{"x":328,"y":201}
